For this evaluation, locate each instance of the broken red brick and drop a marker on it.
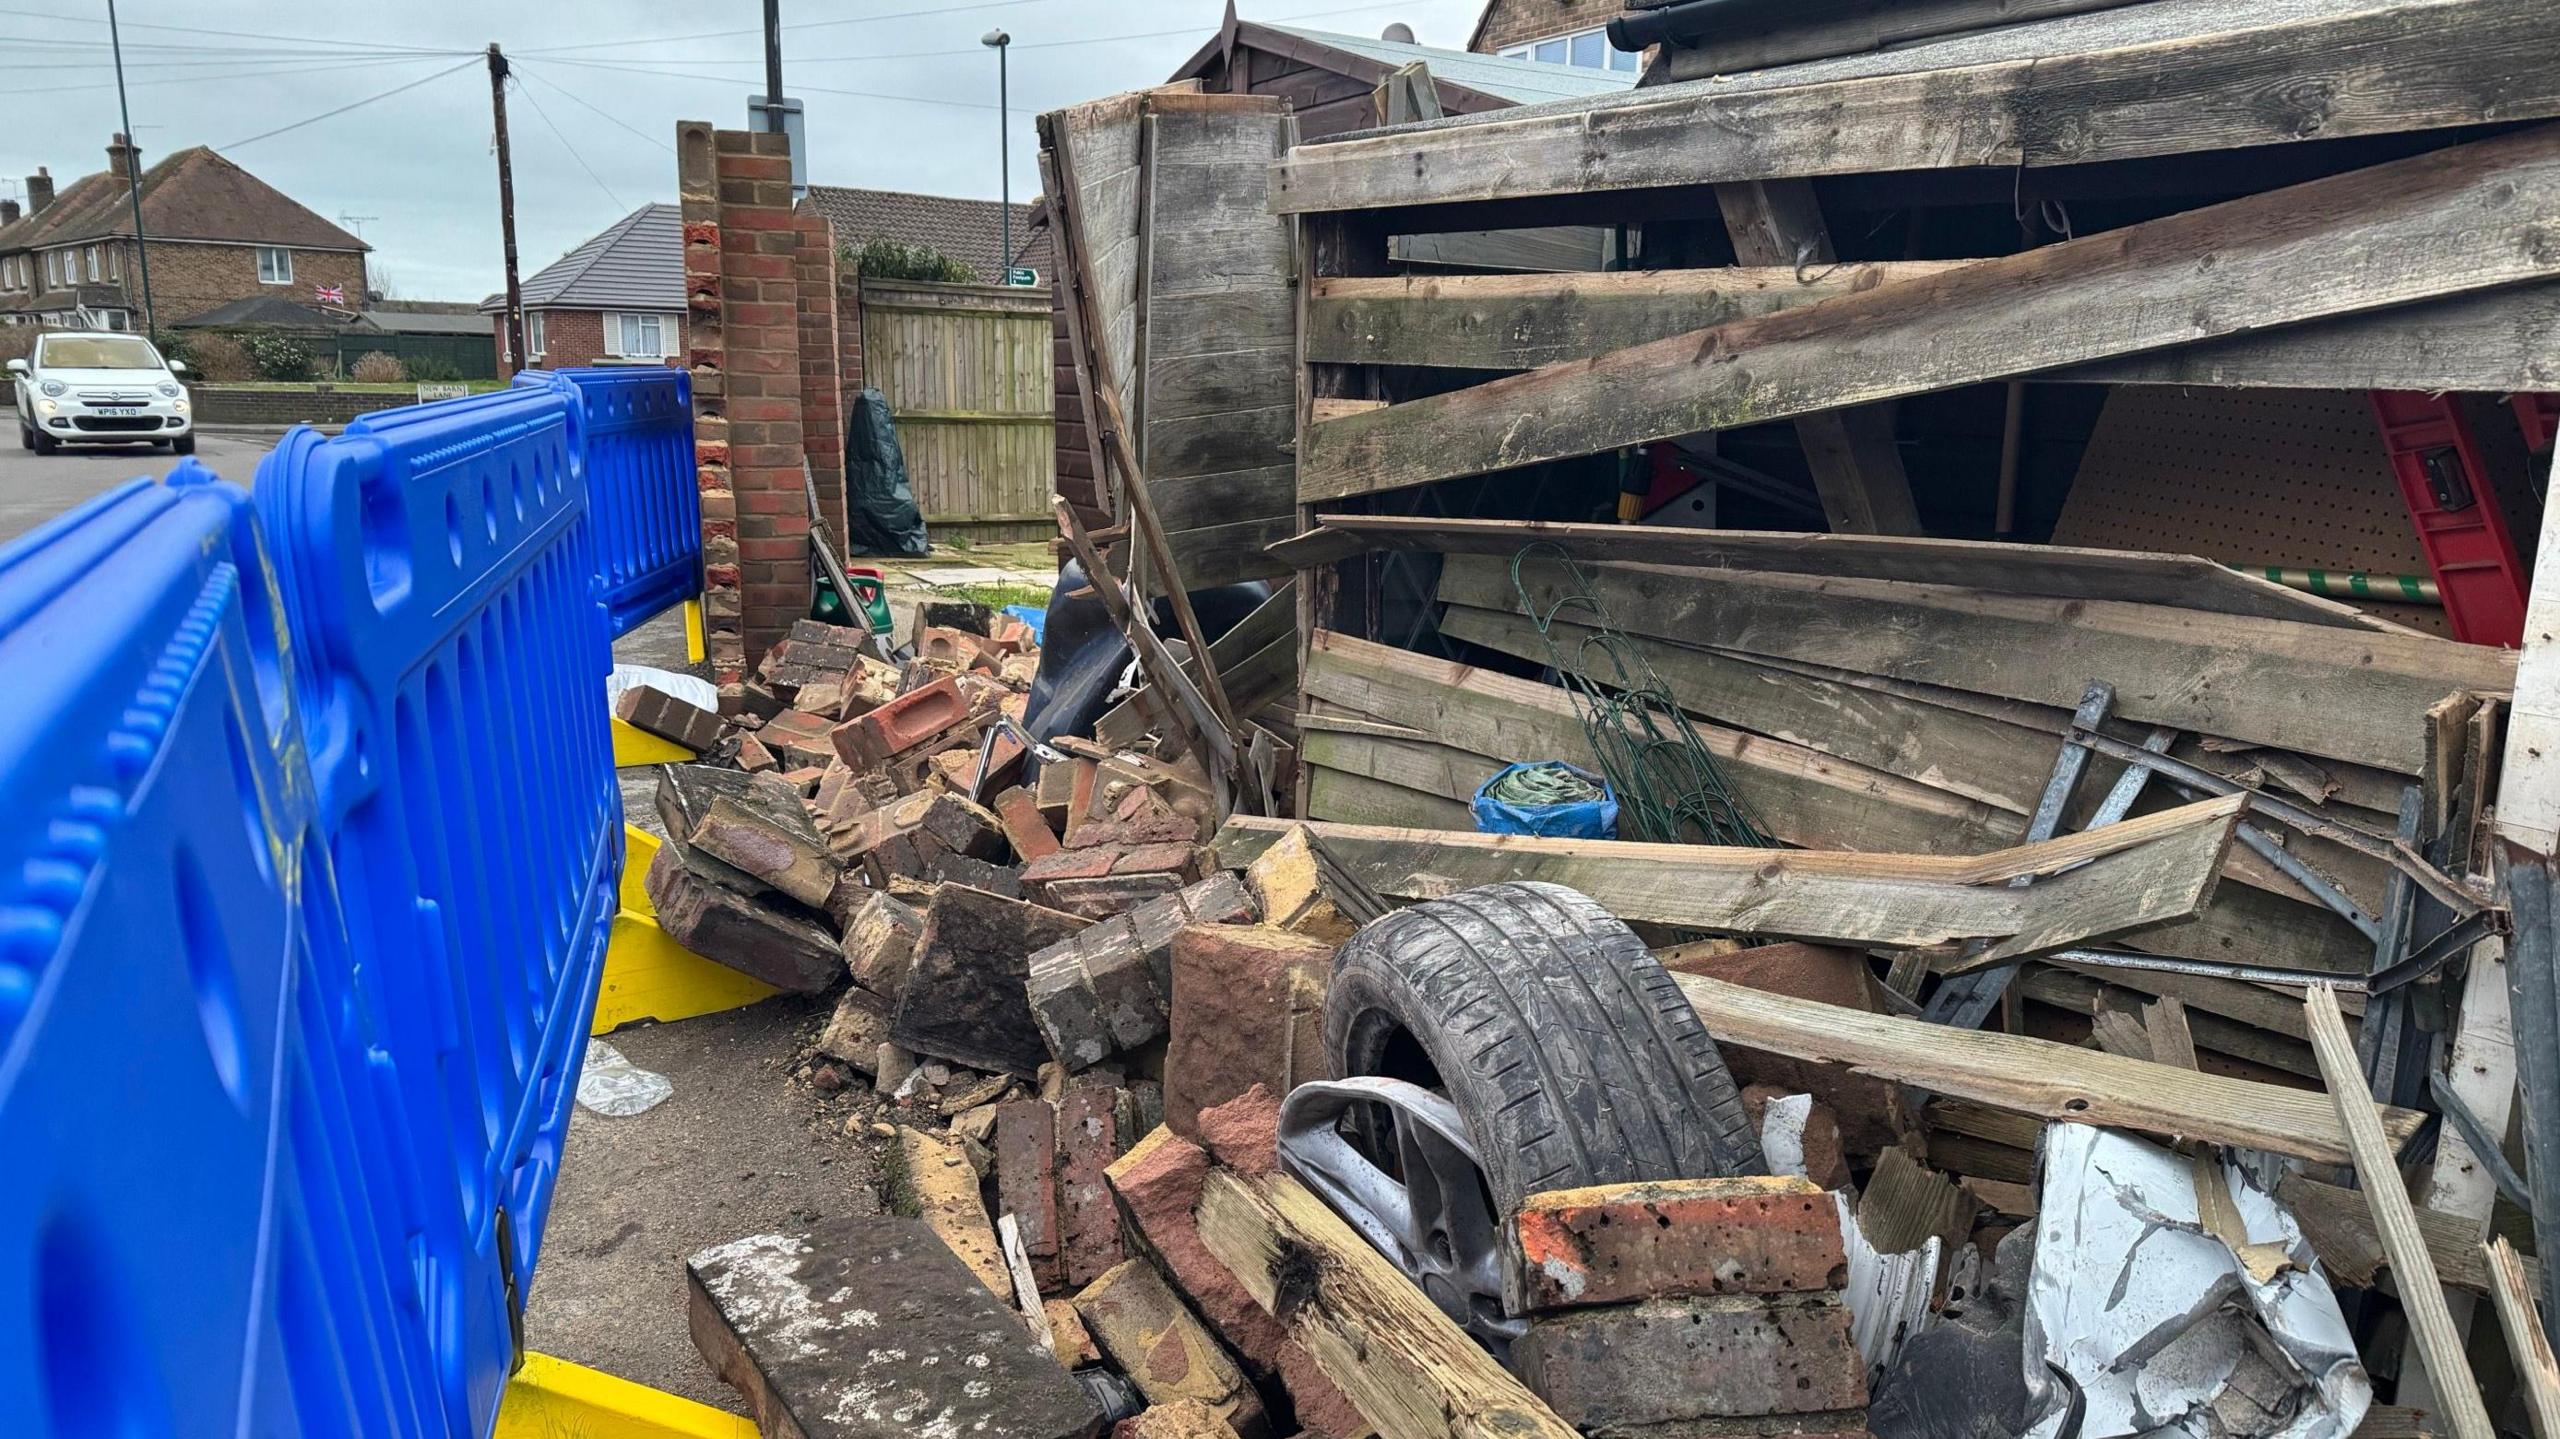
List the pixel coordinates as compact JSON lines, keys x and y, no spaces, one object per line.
{"x":1023,"y":827}
{"x":1609,"y":1243}
{"x":1160,"y":829}
{"x":1088,"y":1226}
{"x":654,"y":711}
{"x":1027,"y":1183}
{"x":1248,"y":1008}
{"x":1244,"y":1132}
{"x":799,"y":738}
{"x":909,"y":722}
{"x":1673,"y":1361}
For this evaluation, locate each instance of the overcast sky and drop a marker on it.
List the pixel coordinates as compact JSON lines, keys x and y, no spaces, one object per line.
{"x":900,"y":94}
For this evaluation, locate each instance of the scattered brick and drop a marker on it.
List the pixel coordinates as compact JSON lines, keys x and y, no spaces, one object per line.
{"x":880,"y":943}
{"x":1159,"y":829}
{"x":1868,"y":1109}
{"x":910,"y":722}
{"x":935,"y":1181}
{"x":1026,"y":1145}
{"x":1148,"y":1335}
{"x":1248,"y":1007}
{"x":1189,"y":1419}
{"x":1104,"y":990}
{"x":963,"y":998}
{"x":1103,"y":897}
{"x":1024,"y":828}
{"x":1669,"y":1361}
{"x":763,"y":830}
{"x":854,"y":1032}
{"x":1067,"y":1337}
{"x":755,"y":757}
{"x":1300,"y":890}
{"x":724,"y":926}
{"x":1244,"y":1132}
{"x":798,"y":739}
{"x":1668,"y":1238}
{"x":654,"y":711}
{"x":1088,"y":1142}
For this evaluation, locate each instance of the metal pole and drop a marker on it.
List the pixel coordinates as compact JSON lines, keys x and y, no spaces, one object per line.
{"x":507,"y":207}
{"x":999,"y":41}
{"x":773,"y":66}
{"x":1004,"y":152}
{"x":133,"y":176}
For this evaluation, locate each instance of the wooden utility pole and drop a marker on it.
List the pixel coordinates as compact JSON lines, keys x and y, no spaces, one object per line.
{"x":507,"y":208}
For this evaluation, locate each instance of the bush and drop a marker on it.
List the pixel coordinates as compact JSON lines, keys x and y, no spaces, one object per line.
{"x":17,"y":342}
{"x":376,"y":368}
{"x":432,"y":369}
{"x":220,"y":358}
{"x":882,"y":259}
{"x":277,"y":357}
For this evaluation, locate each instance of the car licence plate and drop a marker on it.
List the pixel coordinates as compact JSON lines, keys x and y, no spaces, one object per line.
{"x":117,"y":410}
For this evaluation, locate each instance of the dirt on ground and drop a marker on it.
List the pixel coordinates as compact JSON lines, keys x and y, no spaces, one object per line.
{"x":744,"y":1146}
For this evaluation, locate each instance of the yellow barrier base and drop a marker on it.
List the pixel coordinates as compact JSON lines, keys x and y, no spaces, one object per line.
{"x":555,"y":1399}
{"x":633,"y":748}
{"x":694,"y":652}
{"x":648,"y":975}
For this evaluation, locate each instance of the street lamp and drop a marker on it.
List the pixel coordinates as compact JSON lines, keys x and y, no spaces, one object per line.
{"x":997,"y":40}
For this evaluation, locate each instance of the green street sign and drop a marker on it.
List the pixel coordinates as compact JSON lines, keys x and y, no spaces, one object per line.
{"x":1022,"y":275}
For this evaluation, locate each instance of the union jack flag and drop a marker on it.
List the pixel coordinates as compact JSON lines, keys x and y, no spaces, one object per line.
{"x":329,"y":294}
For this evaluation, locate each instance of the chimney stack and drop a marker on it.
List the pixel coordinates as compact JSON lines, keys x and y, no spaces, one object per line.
{"x":39,"y":190}
{"x":8,"y":212}
{"x":120,"y":155}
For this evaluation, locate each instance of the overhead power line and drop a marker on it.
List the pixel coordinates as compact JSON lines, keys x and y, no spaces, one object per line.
{"x":351,"y":105}
{"x":200,"y":30}
{"x":531,"y":99}
{"x":803,"y":25}
{"x":228,"y":75}
{"x":518,"y":67}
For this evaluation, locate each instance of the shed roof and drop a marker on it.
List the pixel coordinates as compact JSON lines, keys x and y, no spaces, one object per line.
{"x":1522,"y":82}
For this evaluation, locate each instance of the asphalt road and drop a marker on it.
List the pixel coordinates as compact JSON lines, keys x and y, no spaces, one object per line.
{"x":34,"y":488}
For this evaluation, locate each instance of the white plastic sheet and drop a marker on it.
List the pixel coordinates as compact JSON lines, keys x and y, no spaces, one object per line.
{"x":613,"y":1086}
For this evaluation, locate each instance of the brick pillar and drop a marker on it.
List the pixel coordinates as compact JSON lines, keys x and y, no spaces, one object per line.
{"x":759,"y":298}
{"x":849,"y":330}
{"x":821,"y":377}
{"x":698,"y":188}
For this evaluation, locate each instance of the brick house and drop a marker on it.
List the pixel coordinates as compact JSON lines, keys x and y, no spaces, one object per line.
{"x":218,"y":234}
{"x":1555,"y":32}
{"x":617,"y":299}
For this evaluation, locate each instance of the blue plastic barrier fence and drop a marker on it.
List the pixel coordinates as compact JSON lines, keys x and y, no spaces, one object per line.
{"x":309,"y":842}
{"x":154,"y":868}
{"x":644,"y":503}
{"x":450,"y":655}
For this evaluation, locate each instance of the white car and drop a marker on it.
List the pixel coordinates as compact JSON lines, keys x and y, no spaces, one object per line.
{"x":101,"y":387}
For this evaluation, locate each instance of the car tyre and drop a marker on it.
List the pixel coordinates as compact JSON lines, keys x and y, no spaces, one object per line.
{"x":46,"y":444}
{"x":26,"y":437}
{"x":183,"y":445}
{"x":1568,"y":1050}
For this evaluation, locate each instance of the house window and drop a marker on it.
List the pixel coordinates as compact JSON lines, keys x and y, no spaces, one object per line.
{"x":115,"y":262}
{"x":94,"y":270}
{"x":52,"y":269}
{"x":1583,"y":49}
{"x":533,"y":339}
{"x":635,"y":337}
{"x":275,"y":265}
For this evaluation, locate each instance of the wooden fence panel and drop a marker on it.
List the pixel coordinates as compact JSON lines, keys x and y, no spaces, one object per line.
{"x":967,"y":371}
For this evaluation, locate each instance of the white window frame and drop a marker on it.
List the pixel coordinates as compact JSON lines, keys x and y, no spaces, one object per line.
{"x":1528,"y":50}
{"x":53,"y":269}
{"x":115,"y":262}
{"x":534,"y":339}
{"x":275,"y":265}
{"x":616,"y":346}
{"x":95,"y":267}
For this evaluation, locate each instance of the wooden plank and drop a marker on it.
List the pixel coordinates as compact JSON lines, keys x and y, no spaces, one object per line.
{"x":1967,"y":754}
{"x":2501,"y":343}
{"x":1805,"y":798}
{"x":2074,"y":991}
{"x":2143,"y":871}
{"x":1856,"y":469}
{"x":2033,"y":1076}
{"x":1358,"y":799}
{"x":1520,"y":322}
{"x":2537,"y":1372}
{"x":2442,"y":223}
{"x":2404,"y":67}
{"x":2395,"y":1221}
{"x":2334,"y":1218}
{"x":2355,"y":697}
{"x":1402,"y":1363}
{"x":2183,"y":581}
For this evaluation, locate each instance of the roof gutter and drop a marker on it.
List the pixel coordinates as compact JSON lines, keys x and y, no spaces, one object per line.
{"x":1686,"y":22}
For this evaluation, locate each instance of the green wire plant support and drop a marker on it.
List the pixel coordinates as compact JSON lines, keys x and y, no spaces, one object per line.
{"x":1669,"y":788}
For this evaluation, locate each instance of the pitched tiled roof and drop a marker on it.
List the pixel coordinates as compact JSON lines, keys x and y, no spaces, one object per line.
{"x":194,"y":194}
{"x":267,"y":311}
{"x":966,"y":230}
{"x":636,"y":264}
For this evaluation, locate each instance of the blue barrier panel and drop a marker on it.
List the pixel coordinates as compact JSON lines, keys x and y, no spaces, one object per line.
{"x":644,"y":505}
{"x":157,"y":891}
{"x":450,"y":656}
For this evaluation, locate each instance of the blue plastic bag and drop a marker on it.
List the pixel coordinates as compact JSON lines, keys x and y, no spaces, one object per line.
{"x":1587,"y":819}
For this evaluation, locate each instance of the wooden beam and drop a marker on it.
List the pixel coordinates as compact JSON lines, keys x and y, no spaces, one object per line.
{"x":1400,"y":1361}
{"x":2447,"y":222}
{"x":2033,"y":1076}
{"x":2416,"y":66}
{"x":2336,"y":1221}
{"x":2501,"y":342}
{"x":2356,"y":697}
{"x":2061,"y":571}
{"x":2537,"y":1372}
{"x":2395,"y":1220}
{"x":2144,"y":871}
